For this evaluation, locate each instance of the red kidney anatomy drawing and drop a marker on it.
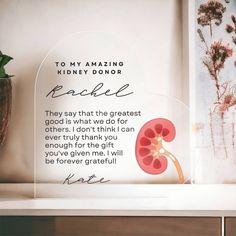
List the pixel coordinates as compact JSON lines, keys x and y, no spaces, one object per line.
{"x":151,"y":155}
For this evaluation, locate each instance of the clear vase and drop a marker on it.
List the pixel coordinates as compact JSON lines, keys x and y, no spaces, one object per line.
{"x":223,"y":138}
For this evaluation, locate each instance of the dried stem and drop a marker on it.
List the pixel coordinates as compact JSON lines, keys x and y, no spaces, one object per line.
{"x":203,"y":39}
{"x":210,"y":24}
{"x":217,"y":84}
{"x":212,"y":133}
{"x":233,"y":130}
{"x":223,"y":136}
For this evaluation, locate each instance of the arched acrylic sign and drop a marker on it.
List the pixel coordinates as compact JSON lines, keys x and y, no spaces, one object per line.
{"x":95,"y":122}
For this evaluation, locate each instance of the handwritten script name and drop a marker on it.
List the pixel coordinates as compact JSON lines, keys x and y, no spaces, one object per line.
{"x":92,"y":179}
{"x":98,"y":90}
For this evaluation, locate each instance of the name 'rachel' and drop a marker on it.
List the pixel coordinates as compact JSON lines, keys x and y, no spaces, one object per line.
{"x":97,"y":91}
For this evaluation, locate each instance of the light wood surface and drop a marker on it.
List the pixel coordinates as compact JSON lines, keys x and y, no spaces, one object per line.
{"x":109,"y":226}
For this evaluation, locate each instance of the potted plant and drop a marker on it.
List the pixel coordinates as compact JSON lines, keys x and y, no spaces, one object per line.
{"x":5,"y":96}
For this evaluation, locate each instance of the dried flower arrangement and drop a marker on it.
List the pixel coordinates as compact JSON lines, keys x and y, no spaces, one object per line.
{"x":216,"y":55}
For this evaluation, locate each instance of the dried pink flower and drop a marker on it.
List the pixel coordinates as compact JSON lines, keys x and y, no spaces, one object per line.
{"x":232,"y":29}
{"x":215,"y":59}
{"x":229,"y":28}
{"x":209,"y":13}
{"x":219,"y":53}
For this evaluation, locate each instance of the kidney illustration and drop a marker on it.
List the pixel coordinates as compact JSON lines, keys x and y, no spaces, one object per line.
{"x":151,"y":155}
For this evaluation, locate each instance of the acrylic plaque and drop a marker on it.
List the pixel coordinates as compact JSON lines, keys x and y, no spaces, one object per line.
{"x":97,"y":123}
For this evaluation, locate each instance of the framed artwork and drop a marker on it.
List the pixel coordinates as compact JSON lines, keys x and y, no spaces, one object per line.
{"x":213,"y":91}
